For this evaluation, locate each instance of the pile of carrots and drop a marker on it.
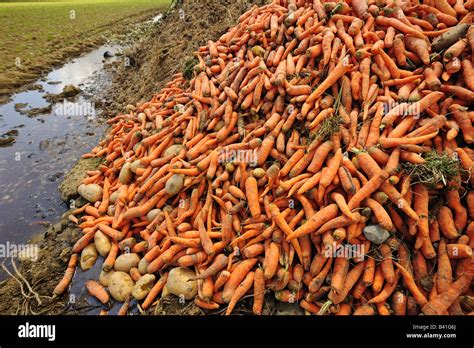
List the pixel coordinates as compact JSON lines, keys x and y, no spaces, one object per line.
{"x":294,"y":136}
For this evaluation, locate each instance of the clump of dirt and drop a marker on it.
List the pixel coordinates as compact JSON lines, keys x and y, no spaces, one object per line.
{"x":188,"y":25}
{"x":42,"y":273}
{"x":171,"y":305}
{"x":8,"y":138}
{"x":69,"y":91}
{"x":73,"y":179}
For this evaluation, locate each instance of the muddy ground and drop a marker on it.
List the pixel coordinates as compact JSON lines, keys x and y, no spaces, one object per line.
{"x":156,"y":58}
{"x":16,"y":81}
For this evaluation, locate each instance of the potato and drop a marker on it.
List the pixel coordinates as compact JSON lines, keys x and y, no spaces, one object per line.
{"x":174,"y":184}
{"x":111,"y":210}
{"x":102,"y":243}
{"x":178,"y":284}
{"x":113,"y":197}
{"x":135,"y":165}
{"x":142,"y":266}
{"x":120,"y":286}
{"x":143,"y":286}
{"x":88,"y":257}
{"x":164,"y":292}
{"x":258,"y":173}
{"x":173,"y":150}
{"x":126,"y":174}
{"x":126,"y":261}
{"x":152,"y":214}
{"x":90,"y":192}
{"x":104,"y":277}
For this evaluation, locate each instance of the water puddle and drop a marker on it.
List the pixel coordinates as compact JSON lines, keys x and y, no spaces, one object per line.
{"x":47,"y":145}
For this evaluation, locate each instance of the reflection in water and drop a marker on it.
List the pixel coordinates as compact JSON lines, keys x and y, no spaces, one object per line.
{"x":47,"y":146}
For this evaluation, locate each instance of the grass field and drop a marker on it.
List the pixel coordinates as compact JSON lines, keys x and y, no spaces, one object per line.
{"x":37,"y":34}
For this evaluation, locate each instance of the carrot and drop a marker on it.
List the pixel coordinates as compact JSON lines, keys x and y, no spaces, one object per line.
{"x":319,"y":156}
{"x":352,"y":277}
{"x":318,"y":219}
{"x":381,"y":215}
{"x":331,"y":169}
{"x":241,"y":290}
{"x":339,"y":273}
{"x":411,"y":285}
{"x":446,"y":223}
{"x":464,"y":122}
{"x":236,"y":277}
{"x":251,"y":191}
{"x":440,"y":304}
{"x":282,"y":224}
{"x":387,"y":264}
{"x":317,"y":281}
{"x":370,"y":187}
{"x":67,"y":277}
{"x":418,"y":46}
{"x":259,"y":291}
{"x":458,"y":251}
{"x":98,"y":291}
{"x":221,"y":280}
{"x":110,"y":259}
{"x":339,"y":70}
{"x":155,"y":291}
{"x":219,"y":263}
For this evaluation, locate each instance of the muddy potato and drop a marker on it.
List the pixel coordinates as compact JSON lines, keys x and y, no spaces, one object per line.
{"x":178,"y":284}
{"x":88,"y":257}
{"x":173,"y":150}
{"x":90,"y":192}
{"x":152,"y":214}
{"x":174,"y":184}
{"x":111,"y":210}
{"x":126,"y":261}
{"x":102,"y":243}
{"x":113,"y":197}
{"x":142,"y":266}
{"x":120,"y":286}
{"x":104,"y":277}
{"x":126,"y":174}
{"x":135,"y":165}
{"x":143,"y":286}
{"x":258,"y":173}
{"x":164,"y":292}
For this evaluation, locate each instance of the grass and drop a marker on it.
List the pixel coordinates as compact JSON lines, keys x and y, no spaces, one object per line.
{"x":438,"y":169}
{"x":38,"y":33}
{"x":330,"y":125}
